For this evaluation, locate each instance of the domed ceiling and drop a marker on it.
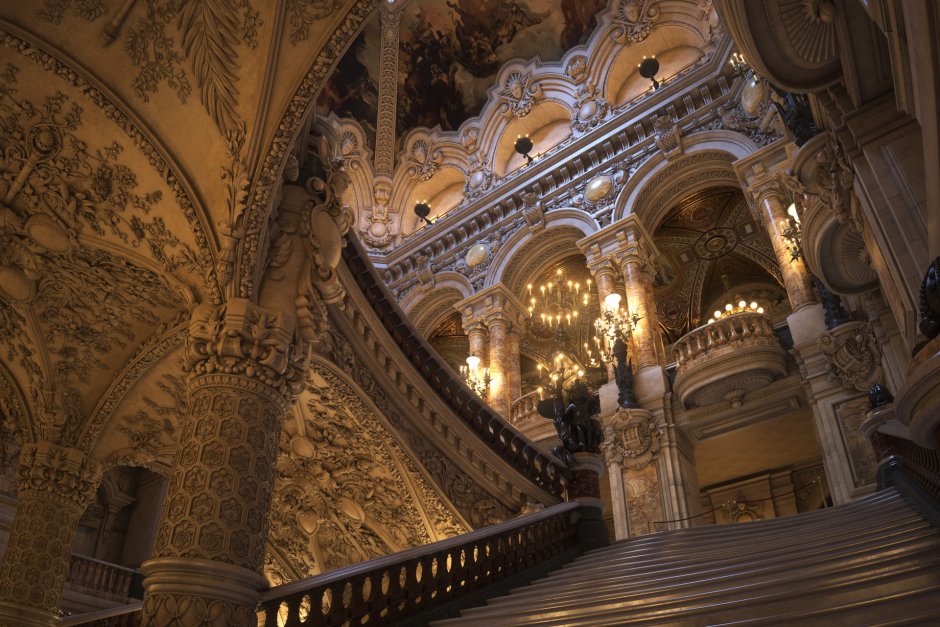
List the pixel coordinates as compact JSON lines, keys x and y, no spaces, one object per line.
{"x":449,"y":54}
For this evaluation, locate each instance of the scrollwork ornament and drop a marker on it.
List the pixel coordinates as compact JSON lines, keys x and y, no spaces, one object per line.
{"x":852,"y":354}
{"x":519,"y":94}
{"x":424,"y":160}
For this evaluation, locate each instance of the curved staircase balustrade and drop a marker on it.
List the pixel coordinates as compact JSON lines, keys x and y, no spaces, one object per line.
{"x":727,"y":358}
{"x":424,"y":578}
{"x":525,"y":408}
{"x":545,"y":471}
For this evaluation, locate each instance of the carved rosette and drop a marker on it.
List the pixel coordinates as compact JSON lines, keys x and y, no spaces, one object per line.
{"x":56,"y":484}
{"x":630,"y":438}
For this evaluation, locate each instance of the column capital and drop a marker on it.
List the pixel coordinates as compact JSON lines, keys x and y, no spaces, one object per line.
{"x":239,"y":338}
{"x":491,"y":300}
{"x":55,"y":472}
{"x":619,"y":239}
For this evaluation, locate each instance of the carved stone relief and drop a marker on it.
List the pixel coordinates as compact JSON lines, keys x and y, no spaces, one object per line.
{"x":341,"y":494}
{"x":471,"y":501}
{"x":631,"y":438}
{"x":850,"y":415}
{"x":634,"y":21}
{"x":852,"y":354}
{"x":520,"y":92}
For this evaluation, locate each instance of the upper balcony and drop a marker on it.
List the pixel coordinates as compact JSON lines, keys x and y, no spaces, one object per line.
{"x":727,"y":359}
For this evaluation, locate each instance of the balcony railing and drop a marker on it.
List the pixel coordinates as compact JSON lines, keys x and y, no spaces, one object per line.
{"x":101,"y":579}
{"x":726,"y":359}
{"x":524,"y":409}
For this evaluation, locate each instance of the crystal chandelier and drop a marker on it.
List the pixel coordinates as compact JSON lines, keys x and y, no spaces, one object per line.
{"x":559,"y":301}
{"x":476,"y":378}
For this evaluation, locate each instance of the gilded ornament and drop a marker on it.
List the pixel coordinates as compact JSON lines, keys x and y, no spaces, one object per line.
{"x":598,"y":188}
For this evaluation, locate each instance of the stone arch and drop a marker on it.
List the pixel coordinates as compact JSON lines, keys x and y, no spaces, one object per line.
{"x":659,"y":183}
{"x":435,"y":305}
{"x":528,"y":255}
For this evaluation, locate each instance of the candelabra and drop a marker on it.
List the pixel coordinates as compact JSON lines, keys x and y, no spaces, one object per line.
{"x":476,"y":378}
{"x":615,"y":323}
{"x":792,"y":232}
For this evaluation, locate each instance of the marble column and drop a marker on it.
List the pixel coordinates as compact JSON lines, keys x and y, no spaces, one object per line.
{"x":477,"y":336}
{"x":209,"y":550}
{"x":497,"y":398}
{"x":772,"y":207}
{"x":605,"y":277}
{"x":55,"y":484}
{"x":635,"y":277}
{"x":513,"y":367}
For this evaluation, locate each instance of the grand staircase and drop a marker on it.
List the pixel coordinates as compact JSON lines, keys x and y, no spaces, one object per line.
{"x":874,"y":561}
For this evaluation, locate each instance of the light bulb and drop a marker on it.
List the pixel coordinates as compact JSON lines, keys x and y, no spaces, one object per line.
{"x":473,"y":362}
{"x":753,"y":305}
{"x":728,"y":307}
{"x":717,"y":313}
{"x":612,"y":302}
{"x":760,"y":310}
{"x":742,"y":303}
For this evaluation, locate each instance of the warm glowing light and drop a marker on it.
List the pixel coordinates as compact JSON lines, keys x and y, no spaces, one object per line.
{"x":742,"y":304}
{"x":473,"y":362}
{"x":728,"y":307}
{"x":612,"y":302}
{"x":717,"y":314}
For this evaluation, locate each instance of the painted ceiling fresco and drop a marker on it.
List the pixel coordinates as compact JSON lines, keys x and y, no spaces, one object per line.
{"x":708,"y":237}
{"x":352,"y":91}
{"x":450,"y":52}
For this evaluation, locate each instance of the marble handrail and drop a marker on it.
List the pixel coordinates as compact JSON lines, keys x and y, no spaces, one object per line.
{"x":720,"y":333}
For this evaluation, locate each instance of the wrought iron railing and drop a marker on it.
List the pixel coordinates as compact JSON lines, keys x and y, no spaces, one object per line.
{"x":419,"y":580}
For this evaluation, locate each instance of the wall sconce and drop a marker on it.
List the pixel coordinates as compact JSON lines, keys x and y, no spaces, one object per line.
{"x":648,"y":69}
{"x":524,"y":147}
{"x":423,"y":210}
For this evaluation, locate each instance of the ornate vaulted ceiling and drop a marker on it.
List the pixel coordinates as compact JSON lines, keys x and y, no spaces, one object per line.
{"x":141,"y":144}
{"x":709,"y":234}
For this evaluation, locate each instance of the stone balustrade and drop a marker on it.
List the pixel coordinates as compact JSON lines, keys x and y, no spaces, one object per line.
{"x":727,"y":359}
{"x":524,"y":410}
{"x":98,"y":578}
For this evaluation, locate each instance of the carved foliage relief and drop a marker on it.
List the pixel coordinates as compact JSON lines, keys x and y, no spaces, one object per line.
{"x":345,"y":491}
{"x":60,"y":192}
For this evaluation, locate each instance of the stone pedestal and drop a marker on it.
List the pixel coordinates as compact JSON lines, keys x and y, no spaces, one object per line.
{"x":56,"y":484}
{"x":918,"y":400}
{"x":584,"y":486}
{"x":631,"y":450}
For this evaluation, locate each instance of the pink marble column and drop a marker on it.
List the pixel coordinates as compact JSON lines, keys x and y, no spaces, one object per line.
{"x":513,"y":369}
{"x":796,"y":278}
{"x":605,"y":277}
{"x":635,"y":278}
{"x":476,"y":334}
{"x":497,"y":324}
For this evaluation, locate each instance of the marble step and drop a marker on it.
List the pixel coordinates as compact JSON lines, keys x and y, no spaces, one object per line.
{"x":871,"y":562}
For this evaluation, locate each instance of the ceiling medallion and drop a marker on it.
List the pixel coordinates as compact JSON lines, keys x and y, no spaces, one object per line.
{"x":715,"y":243}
